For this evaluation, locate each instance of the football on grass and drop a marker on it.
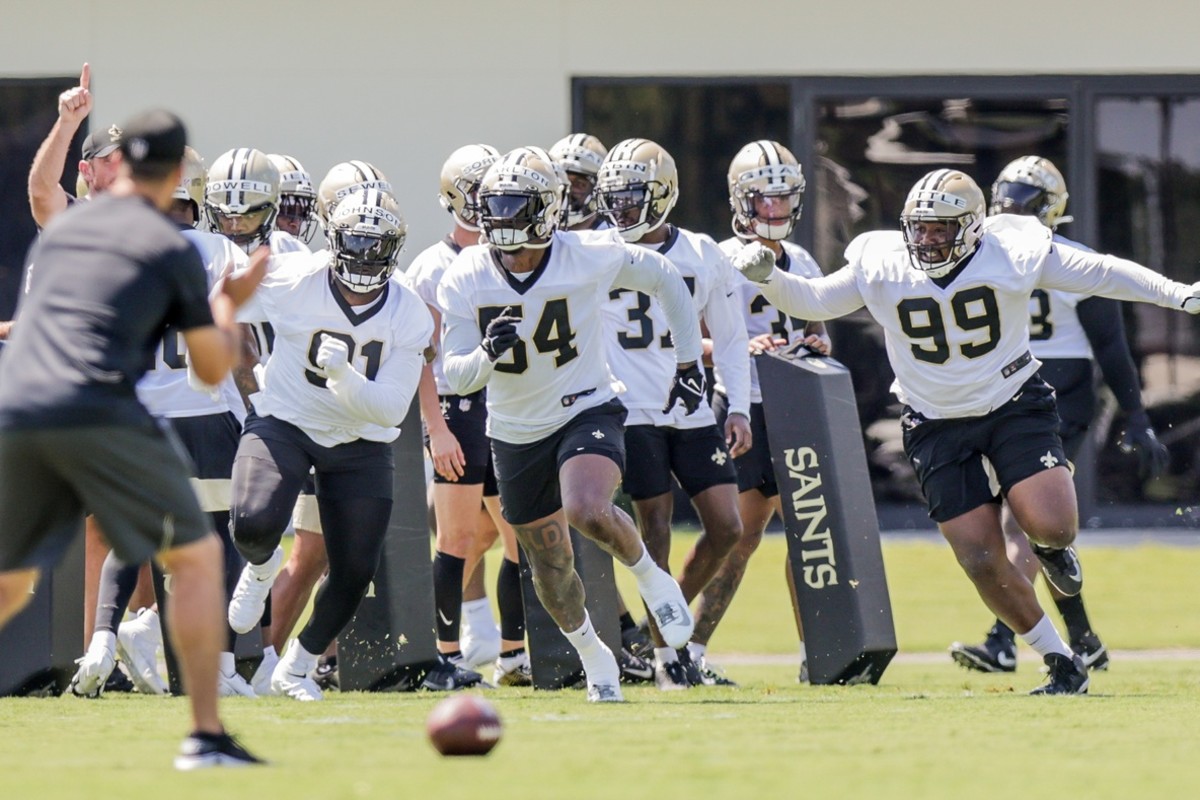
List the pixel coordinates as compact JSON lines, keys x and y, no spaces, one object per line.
{"x":463,"y":725}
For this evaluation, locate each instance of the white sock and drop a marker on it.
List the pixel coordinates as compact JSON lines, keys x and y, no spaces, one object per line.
{"x":644,"y":567}
{"x":1044,"y":639}
{"x":477,"y":614}
{"x":697,"y":651}
{"x":803,"y":653}
{"x":228,"y":665}
{"x":298,"y":661}
{"x":103,"y":641}
{"x":265,"y":570}
{"x":665,"y":655}
{"x":589,"y":645}
{"x":269,"y":652}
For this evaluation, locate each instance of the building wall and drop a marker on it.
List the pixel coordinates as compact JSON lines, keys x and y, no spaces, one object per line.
{"x":401,"y":84}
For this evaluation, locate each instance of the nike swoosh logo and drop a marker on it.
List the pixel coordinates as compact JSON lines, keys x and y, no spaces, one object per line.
{"x":442,"y":617}
{"x":1005,"y":660}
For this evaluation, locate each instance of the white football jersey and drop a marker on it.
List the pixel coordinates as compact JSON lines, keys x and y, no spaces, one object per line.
{"x":559,"y":367}
{"x":386,"y":340}
{"x":640,"y":348}
{"x":164,"y":389}
{"x":423,"y":276}
{"x":283,"y":244}
{"x":963,"y":351}
{"x":760,"y":316}
{"x":1054,"y":328}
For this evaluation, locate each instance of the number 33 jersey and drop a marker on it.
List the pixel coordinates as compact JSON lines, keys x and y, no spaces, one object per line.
{"x":386,"y":340}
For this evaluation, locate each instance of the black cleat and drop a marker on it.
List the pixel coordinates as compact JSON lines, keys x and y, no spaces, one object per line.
{"x":712,"y":676}
{"x":118,"y":681}
{"x":1068,"y":675}
{"x":202,"y":750}
{"x":637,"y":641}
{"x":326,"y":674}
{"x":633,"y":668}
{"x":997,"y":653}
{"x":671,"y":677}
{"x":1093,"y":652}
{"x":802,"y":676}
{"x":691,"y":670}
{"x":1061,"y":568}
{"x":448,"y":676}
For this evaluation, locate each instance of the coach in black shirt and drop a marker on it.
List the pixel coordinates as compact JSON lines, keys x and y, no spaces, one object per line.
{"x":110,"y":276}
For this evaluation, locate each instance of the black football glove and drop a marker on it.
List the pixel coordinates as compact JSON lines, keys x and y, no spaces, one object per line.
{"x":687,"y":387}
{"x":1138,"y":437}
{"x":501,"y":335}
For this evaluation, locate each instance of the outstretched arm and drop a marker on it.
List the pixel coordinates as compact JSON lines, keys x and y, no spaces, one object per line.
{"x":808,"y":298}
{"x":1075,"y":270}
{"x":46,"y":195}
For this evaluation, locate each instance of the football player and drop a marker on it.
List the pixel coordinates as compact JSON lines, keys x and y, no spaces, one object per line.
{"x":952,"y":290}
{"x":349,"y":345}
{"x":766,"y":196}
{"x":464,"y":481}
{"x":297,"y":199}
{"x":637,"y":187}
{"x":1069,"y":333}
{"x":522,"y":316}
{"x":580,"y":155}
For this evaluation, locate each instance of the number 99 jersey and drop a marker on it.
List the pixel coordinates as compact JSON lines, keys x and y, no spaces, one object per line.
{"x":386,"y":340}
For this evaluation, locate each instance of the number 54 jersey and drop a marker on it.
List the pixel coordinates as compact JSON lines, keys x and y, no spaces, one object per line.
{"x":386,"y":340}
{"x":559,"y":367}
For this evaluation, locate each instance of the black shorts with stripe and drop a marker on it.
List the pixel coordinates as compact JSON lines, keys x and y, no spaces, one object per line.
{"x":966,"y":462}
{"x":528,"y":473}
{"x":466,"y":417}
{"x":697,"y":457}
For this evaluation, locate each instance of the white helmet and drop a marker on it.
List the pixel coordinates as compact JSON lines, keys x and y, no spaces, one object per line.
{"x":242,"y":196}
{"x":637,"y":187}
{"x":460,"y":179}
{"x":520,"y":199}
{"x":191,"y":183}
{"x":580,"y":155}
{"x":761,"y":170}
{"x":951,"y":197}
{"x":297,"y":198}
{"x":366,"y":233}
{"x":1032,"y":186}
{"x":344,"y":178}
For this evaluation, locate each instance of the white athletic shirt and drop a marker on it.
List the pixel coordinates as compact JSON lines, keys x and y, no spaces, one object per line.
{"x":386,"y":340}
{"x":759,"y":315}
{"x":559,"y":368}
{"x":164,"y":390}
{"x":1054,"y":328}
{"x":640,"y":350}
{"x":423,"y":276}
{"x":963,"y":351}
{"x":282,"y":243}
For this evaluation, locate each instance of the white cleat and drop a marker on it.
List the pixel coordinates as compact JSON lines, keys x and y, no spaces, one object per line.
{"x":138,"y":642}
{"x":94,"y":668}
{"x":665,"y":600}
{"x":479,"y":651}
{"x":250,"y":595}
{"x":604,"y":678}
{"x":297,"y":687}
{"x":604,"y":693}
{"x":233,"y":686}
{"x":261,"y":680}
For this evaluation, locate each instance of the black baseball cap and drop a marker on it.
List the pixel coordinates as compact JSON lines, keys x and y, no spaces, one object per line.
{"x":155,"y":136}
{"x":98,"y":144}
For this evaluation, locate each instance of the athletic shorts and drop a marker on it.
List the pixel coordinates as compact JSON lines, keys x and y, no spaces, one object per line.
{"x":466,"y":416}
{"x":527,"y":474}
{"x":135,"y":479}
{"x":1074,"y":385}
{"x":754,"y":470}
{"x":966,"y":462}
{"x":211,"y":441}
{"x":697,"y":457}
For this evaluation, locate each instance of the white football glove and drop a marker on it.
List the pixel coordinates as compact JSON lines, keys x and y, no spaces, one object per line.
{"x":333,"y":356}
{"x":755,"y":261}
{"x":1192,"y":304}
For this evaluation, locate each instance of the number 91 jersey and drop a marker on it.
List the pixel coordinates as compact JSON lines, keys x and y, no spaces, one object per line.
{"x":559,"y":367}
{"x":961,"y":351}
{"x":386,"y":340}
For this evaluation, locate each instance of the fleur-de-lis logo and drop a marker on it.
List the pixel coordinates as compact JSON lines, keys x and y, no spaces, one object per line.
{"x":719,"y":457}
{"x":1048,"y":460}
{"x":598,"y":434}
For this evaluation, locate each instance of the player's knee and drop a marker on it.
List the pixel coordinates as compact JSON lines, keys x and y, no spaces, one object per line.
{"x":589,"y":515}
{"x":982,"y":565}
{"x":724,"y":534}
{"x":1052,"y":530}
{"x":255,"y":535}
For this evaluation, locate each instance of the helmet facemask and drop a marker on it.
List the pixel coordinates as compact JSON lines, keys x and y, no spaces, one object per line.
{"x":942,"y":221}
{"x":1010,"y":197}
{"x":771,"y":216}
{"x":582,"y":204}
{"x":247,"y":229}
{"x":364,"y":262}
{"x":512,"y":219}
{"x":297,"y":216}
{"x":631,"y":207}
{"x":940,"y":257}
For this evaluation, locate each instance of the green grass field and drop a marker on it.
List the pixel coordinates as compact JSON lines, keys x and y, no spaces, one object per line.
{"x":930,"y":729}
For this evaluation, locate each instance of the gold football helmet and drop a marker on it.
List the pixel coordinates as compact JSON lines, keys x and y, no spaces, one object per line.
{"x":344,"y":178}
{"x":366,"y":234}
{"x":191,"y":184}
{"x":637,"y":186}
{"x":942,"y":196}
{"x":580,"y":155}
{"x":766,"y":190}
{"x":1032,"y":186}
{"x":297,"y":198}
{"x":520,"y":199}
{"x":242,"y":196}
{"x":460,"y":178}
